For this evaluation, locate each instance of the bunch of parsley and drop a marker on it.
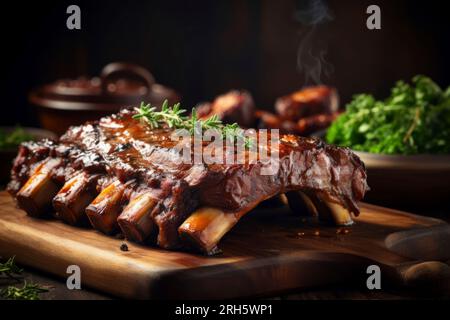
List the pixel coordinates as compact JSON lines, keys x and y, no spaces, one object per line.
{"x":414,"y":119}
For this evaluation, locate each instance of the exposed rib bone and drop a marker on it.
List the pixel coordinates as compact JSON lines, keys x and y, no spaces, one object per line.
{"x":340,"y":215}
{"x":35,"y":197}
{"x":330,"y":212}
{"x":283,"y":198}
{"x":301,"y":204}
{"x":309,"y":204}
{"x":206,"y":226}
{"x":106,"y":207}
{"x":73,"y":198}
{"x":135,"y":221}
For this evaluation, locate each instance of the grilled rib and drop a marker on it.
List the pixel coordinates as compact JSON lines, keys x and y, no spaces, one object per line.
{"x":117,"y":172}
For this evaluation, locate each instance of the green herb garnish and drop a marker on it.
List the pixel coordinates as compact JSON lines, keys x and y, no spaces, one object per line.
{"x":174,"y":118}
{"x":193,"y":123}
{"x":9,"y":268}
{"x":233,"y":130}
{"x":13,"y":139}
{"x":29,"y":291}
{"x":414,"y":119}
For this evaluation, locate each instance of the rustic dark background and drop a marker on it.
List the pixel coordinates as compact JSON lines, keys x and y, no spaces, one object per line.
{"x":203,"y":48}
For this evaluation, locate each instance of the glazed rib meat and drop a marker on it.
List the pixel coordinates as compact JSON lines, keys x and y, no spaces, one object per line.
{"x":120,"y":176}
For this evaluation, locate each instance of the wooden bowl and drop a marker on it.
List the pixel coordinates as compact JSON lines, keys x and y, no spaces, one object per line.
{"x":7,"y":155}
{"x":413,"y":181}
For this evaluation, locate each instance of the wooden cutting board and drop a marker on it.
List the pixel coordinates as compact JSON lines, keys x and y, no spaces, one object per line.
{"x":269,"y":251}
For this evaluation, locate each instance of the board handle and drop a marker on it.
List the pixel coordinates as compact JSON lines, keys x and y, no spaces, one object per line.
{"x":429,"y":277}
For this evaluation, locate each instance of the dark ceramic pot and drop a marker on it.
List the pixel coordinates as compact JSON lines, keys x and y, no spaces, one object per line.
{"x":73,"y":102}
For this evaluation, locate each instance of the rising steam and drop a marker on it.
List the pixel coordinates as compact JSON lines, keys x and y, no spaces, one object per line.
{"x":311,"y":53}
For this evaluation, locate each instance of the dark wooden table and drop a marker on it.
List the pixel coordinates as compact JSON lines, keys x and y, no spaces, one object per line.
{"x":58,"y":289}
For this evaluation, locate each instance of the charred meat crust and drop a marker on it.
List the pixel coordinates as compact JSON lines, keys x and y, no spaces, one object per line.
{"x":120,"y":148}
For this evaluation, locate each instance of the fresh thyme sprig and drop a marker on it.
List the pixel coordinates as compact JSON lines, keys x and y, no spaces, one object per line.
{"x":232,"y":131}
{"x":9,"y":268}
{"x":29,"y":291}
{"x":174,"y":118}
{"x":193,"y":123}
{"x":147,"y":113}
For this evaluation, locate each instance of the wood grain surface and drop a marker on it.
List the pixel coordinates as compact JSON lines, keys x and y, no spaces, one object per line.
{"x":269,"y":251}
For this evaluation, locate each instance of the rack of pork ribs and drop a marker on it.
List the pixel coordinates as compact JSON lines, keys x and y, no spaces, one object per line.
{"x":118,"y":175}
{"x":302,"y":112}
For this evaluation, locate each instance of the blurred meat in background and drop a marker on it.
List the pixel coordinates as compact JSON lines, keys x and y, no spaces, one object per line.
{"x":232,"y":107}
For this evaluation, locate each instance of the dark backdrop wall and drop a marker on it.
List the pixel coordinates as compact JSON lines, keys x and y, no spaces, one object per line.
{"x":203,"y":48}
